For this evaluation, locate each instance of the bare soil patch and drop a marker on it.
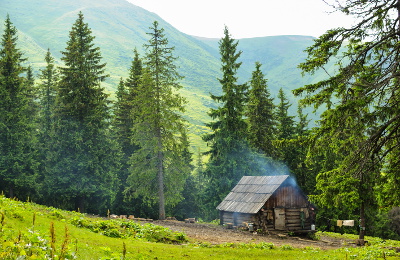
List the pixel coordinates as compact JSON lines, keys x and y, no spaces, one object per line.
{"x":199,"y":232}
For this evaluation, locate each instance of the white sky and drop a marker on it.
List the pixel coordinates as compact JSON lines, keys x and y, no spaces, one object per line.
{"x":247,"y":18}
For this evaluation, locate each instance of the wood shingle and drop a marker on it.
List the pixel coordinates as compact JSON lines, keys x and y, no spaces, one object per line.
{"x":251,"y":193}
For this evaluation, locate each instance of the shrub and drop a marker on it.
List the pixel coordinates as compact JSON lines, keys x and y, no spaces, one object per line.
{"x":113,"y":233}
{"x":57,"y":214}
{"x":287,"y":247}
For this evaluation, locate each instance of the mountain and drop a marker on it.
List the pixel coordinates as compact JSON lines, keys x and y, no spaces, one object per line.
{"x":120,"y":26}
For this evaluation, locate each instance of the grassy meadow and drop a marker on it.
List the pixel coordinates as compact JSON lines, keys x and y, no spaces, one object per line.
{"x":31,"y":231}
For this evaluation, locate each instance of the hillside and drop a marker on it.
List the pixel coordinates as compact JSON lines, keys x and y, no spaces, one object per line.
{"x":120,"y":26}
{"x":32,"y":231}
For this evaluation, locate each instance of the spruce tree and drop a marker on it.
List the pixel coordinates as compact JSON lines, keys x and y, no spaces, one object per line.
{"x":47,"y":94}
{"x":285,"y":131}
{"x":32,"y":93}
{"x":18,"y":165}
{"x":363,"y":95}
{"x":260,"y":114}
{"x":305,"y":177}
{"x":286,"y":124}
{"x":123,"y":125}
{"x":124,"y":110}
{"x":230,"y":155}
{"x":84,"y":157}
{"x":159,"y":129}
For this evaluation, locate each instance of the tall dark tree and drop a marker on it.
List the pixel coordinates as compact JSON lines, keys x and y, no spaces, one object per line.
{"x":285,"y":131}
{"x":46,"y":93}
{"x":366,"y":87}
{"x":260,"y":114}
{"x":159,"y":128}
{"x":18,"y":165}
{"x":32,"y":92}
{"x":47,"y":90}
{"x":84,"y":157}
{"x":230,"y":154}
{"x":123,"y":111}
{"x":123,"y":125}
{"x":300,"y":145}
{"x":286,"y":124}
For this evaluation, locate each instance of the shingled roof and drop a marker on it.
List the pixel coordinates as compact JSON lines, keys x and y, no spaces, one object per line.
{"x":251,"y":193}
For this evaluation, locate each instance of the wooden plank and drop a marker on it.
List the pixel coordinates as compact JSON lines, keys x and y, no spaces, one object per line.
{"x":293,"y":216}
{"x":293,"y":213}
{"x":293,"y":221}
{"x":292,"y":210}
{"x":292,"y":225}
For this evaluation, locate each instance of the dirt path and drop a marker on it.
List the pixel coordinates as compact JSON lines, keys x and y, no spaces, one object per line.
{"x":217,"y":235}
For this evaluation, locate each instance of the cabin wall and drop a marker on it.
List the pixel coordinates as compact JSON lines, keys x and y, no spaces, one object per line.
{"x":286,"y":197}
{"x":297,"y":219}
{"x":235,"y":218}
{"x":286,"y":209}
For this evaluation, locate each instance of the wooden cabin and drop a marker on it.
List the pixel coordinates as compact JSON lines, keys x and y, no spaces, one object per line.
{"x":269,"y":202}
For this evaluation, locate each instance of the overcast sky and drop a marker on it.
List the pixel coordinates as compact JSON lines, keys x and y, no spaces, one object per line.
{"x":247,"y":18}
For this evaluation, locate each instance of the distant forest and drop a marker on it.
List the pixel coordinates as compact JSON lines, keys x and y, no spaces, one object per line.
{"x":65,"y":143}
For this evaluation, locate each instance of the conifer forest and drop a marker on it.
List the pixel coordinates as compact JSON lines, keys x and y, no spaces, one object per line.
{"x":69,"y":142}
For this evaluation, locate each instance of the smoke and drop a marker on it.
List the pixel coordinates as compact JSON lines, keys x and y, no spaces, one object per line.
{"x":268,"y":166}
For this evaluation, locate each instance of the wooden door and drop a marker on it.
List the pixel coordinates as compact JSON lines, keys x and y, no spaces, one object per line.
{"x":280,"y":218}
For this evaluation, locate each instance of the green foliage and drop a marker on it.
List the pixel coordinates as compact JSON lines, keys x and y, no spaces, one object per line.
{"x":287,"y":247}
{"x":126,"y":229}
{"x":123,"y":125}
{"x":84,"y":157}
{"x":360,"y":126}
{"x":18,"y":162}
{"x":18,"y":241}
{"x":32,"y":244}
{"x":260,"y":114}
{"x":161,"y":161}
{"x":230,"y":155}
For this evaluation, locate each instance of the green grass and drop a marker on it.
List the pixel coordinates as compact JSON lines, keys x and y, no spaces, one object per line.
{"x":25,"y":233}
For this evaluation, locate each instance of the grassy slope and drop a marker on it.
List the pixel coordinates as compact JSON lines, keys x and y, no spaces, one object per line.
{"x":120,"y":27}
{"x":18,"y":236}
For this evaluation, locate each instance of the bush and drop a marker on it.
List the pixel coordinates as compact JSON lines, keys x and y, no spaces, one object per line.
{"x":154,"y":233}
{"x":113,"y":233}
{"x":123,"y":229}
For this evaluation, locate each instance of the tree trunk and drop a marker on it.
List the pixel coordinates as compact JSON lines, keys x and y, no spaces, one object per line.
{"x":80,"y":204}
{"x":362,"y":223}
{"x":161,"y":198}
{"x":11,"y":192}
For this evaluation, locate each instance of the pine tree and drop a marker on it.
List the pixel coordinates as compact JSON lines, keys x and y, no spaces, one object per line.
{"x":230,"y":155}
{"x":84,"y":157}
{"x":286,"y":124}
{"x":304,"y":176}
{"x":285,"y":131}
{"x":260,"y":114}
{"x":365,"y":86}
{"x":18,"y":162}
{"x":47,"y":89}
{"x":124,"y":110}
{"x":123,"y":124}
{"x":159,"y":129}
{"x":32,"y":93}
{"x":47,"y":94}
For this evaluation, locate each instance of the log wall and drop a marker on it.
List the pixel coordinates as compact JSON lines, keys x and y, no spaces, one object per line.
{"x":235,"y":218}
{"x":286,"y":197}
{"x":293,"y":219}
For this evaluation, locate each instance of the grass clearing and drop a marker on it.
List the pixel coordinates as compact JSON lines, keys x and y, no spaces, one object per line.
{"x":26,"y":233}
